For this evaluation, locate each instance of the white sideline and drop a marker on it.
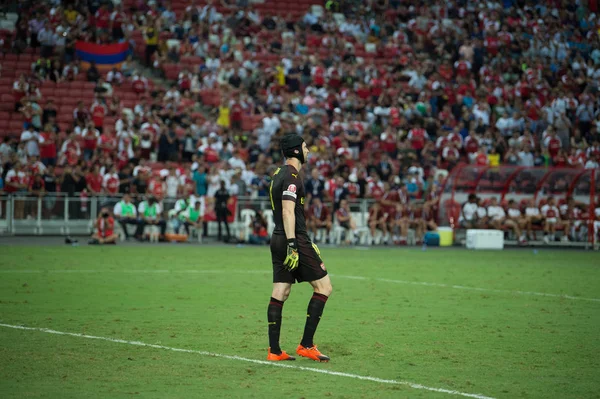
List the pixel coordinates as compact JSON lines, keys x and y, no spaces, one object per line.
{"x":384,"y":280}
{"x":244,"y":359}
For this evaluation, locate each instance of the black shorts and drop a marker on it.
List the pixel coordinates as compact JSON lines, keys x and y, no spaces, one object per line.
{"x":345,"y":225}
{"x":310,"y":265}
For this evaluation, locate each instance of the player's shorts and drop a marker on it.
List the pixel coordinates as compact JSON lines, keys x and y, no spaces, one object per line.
{"x":310,"y":266}
{"x":551,"y":220}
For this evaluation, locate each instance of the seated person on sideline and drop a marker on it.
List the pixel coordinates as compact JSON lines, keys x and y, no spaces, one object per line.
{"x":417,"y":222}
{"x":193,"y":216}
{"x":176,"y":214}
{"x":105,"y":229}
{"x":552,"y":221}
{"x":428,"y":216}
{"x":125,"y":213}
{"x":533,"y":217}
{"x":495,"y":214}
{"x":482,"y":217}
{"x":150,"y":213}
{"x":259,"y":235}
{"x":400,"y":222}
{"x":572,"y":213}
{"x":319,"y":217}
{"x":378,"y":220}
{"x":344,"y":218}
{"x":516,"y":221}
{"x":468,"y":213}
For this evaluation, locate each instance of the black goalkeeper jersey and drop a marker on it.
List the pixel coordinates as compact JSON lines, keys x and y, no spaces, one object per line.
{"x":287,"y":185}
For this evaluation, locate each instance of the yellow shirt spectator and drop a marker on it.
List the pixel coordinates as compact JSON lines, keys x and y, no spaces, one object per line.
{"x":280,"y":75}
{"x":151,"y":36}
{"x":494,"y":159}
{"x":223,"y":119}
{"x":71,"y":15}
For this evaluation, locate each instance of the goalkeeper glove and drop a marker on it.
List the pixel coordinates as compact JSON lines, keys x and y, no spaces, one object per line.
{"x":291,"y":260}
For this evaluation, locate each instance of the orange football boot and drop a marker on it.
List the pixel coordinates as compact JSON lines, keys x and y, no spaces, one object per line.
{"x":276,"y":358}
{"x":311,"y":353}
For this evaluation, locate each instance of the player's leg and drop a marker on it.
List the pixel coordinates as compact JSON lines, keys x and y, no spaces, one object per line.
{"x":282,"y":285}
{"x":322,"y":290}
{"x":112,"y":239}
{"x":566,"y":224}
{"x":312,"y":269}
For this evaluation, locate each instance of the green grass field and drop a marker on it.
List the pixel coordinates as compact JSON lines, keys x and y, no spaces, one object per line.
{"x":466,"y":322}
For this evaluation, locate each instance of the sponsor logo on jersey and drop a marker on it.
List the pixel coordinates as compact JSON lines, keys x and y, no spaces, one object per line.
{"x":323,"y":266}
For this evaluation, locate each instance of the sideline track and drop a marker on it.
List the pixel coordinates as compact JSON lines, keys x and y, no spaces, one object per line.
{"x":255,"y":361}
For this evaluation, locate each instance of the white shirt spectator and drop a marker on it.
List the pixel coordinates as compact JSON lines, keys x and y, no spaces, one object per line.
{"x":468,"y":212}
{"x":505,"y":125}
{"x":30,"y":138}
{"x":236,"y":162}
{"x":114,"y":77}
{"x":496,"y":212}
{"x":271,"y":124}
{"x":532,"y":211}
{"x":525,"y":158}
{"x":482,"y":113}
{"x":514,"y":212}
{"x":591,"y":164}
{"x":172,"y":186}
{"x":173,"y":94}
{"x":481,"y":212}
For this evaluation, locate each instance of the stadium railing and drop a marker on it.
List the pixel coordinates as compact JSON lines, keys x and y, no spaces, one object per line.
{"x":59,"y":214}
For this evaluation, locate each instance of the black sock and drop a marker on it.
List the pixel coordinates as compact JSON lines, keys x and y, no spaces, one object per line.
{"x":274,"y":317}
{"x":314,"y":312}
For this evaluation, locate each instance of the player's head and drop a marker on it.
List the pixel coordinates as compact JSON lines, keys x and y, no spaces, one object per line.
{"x":293,"y":146}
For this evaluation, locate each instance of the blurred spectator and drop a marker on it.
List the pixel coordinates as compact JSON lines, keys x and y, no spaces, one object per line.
{"x":259,"y":234}
{"x":150,"y":213}
{"x":319,"y":217}
{"x":221,"y":210}
{"x":193,"y":217}
{"x":105,"y":229}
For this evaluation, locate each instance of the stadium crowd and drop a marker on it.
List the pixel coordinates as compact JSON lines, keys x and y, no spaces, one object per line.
{"x":390,"y":96}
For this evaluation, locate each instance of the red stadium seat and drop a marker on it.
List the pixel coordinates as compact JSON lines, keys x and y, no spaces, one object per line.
{"x":15,"y":126}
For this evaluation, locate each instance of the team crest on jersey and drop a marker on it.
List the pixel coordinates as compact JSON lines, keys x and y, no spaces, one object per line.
{"x":292,"y":188}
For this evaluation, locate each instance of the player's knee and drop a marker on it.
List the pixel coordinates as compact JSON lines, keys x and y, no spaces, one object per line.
{"x":281,"y":293}
{"x":324,"y":289}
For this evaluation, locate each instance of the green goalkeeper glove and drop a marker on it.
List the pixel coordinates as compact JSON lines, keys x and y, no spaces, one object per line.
{"x":291,"y":260}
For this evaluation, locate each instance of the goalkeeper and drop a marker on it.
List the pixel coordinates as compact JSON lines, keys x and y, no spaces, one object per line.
{"x":295,"y":257}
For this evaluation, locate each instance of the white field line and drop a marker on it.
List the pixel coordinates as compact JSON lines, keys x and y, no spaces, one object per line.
{"x":384,"y":280}
{"x":255,"y":361}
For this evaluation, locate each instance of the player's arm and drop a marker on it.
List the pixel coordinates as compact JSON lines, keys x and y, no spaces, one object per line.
{"x":289,"y":218}
{"x":289,"y":225}
{"x":288,"y":204}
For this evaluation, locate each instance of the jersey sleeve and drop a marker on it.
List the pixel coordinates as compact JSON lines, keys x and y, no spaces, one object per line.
{"x":290,"y":188}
